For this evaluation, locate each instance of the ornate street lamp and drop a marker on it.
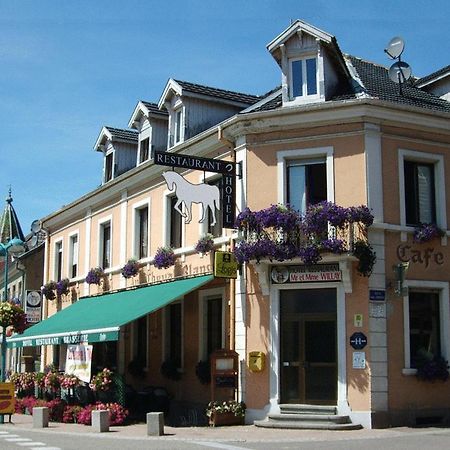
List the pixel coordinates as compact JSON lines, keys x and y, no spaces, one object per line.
{"x":14,"y":247}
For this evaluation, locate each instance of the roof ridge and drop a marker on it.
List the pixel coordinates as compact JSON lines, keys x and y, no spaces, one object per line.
{"x":216,"y":88}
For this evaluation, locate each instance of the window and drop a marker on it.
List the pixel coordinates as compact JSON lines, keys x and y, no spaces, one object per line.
{"x":173,"y":335}
{"x":58,"y":260}
{"x":424,"y":325}
{"x":178,"y":125}
{"x":73,"y":256}
{"x":105,"y":245}
{"x":303,"y":77}
{"x":175,"y":224}
{"x":142,"y":232}
{"x":306,"y":183}
{"x":216,"y":230}
{"x":420,"y":202}
{"x":109,"y":167}
{"x":144,"y":150}
{"x":214,"y":324}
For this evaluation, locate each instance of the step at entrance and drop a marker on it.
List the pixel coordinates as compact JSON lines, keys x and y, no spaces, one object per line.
{"x":308,"y":417}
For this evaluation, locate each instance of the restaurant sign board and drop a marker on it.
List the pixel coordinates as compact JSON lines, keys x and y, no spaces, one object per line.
{"x":306,"y":274}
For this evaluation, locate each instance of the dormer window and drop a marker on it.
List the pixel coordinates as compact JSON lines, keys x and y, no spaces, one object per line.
{"x":303,"y":78}
{"x":178,"y":121}
{"x":144,"y":150}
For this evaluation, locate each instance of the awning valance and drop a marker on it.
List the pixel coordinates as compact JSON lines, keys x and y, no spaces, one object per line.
{"x":99,"y":318}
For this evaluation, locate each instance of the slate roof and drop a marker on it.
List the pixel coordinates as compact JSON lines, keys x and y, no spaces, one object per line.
{"x":153,"y":108}
{"x":219,"y":93}
{"x":433,"y":75}
{"x":126,"y":135}
{"x":377,"y":84}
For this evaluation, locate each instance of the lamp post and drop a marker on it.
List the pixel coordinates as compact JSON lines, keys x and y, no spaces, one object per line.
{"x":13,"y":247}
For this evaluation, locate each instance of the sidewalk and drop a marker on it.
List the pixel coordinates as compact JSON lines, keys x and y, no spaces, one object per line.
{"x":245,"y":433}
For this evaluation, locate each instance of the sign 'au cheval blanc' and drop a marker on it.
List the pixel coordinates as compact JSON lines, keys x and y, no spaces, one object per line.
{"x":207,"y":195}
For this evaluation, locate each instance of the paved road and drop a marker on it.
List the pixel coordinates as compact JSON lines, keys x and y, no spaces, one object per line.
{"x":396,"y":440}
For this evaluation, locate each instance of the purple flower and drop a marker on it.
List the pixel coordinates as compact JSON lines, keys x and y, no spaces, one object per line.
{"x":164,"y":258}
{"x":310,"y":254}
{"x":48,"y":290}
{"x":205,"y":244}
{"x":95,"y":275}
{"x":426,"y":232}
{"x":360,"y":214}
{"x":62,"y":286}
{"x":246,"y":220}
{"x":336,"y":246}
{"x":130,"y":269}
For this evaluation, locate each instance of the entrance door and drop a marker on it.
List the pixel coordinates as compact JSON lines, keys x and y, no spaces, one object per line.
{"x":308,"y":346}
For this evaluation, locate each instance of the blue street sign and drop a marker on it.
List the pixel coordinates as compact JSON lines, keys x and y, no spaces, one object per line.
{"x":358,"y":340}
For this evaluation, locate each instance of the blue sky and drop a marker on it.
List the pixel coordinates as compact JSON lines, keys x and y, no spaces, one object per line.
{"x":69,"y":67}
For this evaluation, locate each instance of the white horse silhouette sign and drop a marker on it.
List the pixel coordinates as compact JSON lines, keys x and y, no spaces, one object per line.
{"x":208,"y":196}
{"x":188,"y":193}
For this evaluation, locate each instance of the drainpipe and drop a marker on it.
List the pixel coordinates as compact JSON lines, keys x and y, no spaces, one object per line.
{"x":232,"y":342}
{"x":19,"y":350}
{"x":44,"y":304}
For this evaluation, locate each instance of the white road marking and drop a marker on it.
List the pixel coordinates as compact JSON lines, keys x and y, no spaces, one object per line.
{"x":29,"y":444}
{"x":219,"y":445}
{"x":16,"y":439}
{"x":8,"y":435}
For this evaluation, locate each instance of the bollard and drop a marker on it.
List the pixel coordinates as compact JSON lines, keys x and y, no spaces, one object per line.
{"x":155,"y":424}
{"x":40,"y":417}
{"x":100,"y":420}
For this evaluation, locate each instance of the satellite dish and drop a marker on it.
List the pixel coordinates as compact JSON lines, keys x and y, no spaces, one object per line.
{"x":36,"y":226}
{"x":400,"y":72}
{"x":33,"y":241}
{"x":395,"y":47}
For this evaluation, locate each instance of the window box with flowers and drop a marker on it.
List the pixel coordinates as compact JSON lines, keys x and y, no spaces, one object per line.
{"x":280,"y":233}
{"x":62,"y":287}
{"x":426,"y":232}
{"x":205,"y":244}
{"x":164,"y":258}
{"x":49,"y":290}
{"x":95,"y":276}
{"x":130,"y":269}
{"x":229,"y":412}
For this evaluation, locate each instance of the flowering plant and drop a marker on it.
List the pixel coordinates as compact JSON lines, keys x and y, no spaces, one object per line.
{"x":22,"y":381}
{"x":52,"y":381}
{"x":62,"y":286}
{"x":95,"y":275}
{"x":431,"y":367}
{"x":205,"y":244}
{"x":70,"y":413}
{"x":69,"y":381}
{"x":12,"y":316}
{"x":425,"y":232}
{"x":130,"y":269}
{"x":101,"y":381}
{"x":117,"y":413}
{"x":281,"y":233}
{"x":48,"y":290}
{"x":164,"y":258}
{"x":237,"y":408}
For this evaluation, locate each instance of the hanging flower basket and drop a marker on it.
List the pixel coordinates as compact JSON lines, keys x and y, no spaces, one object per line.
{"x":130,"y":269}
{"x":164,"y":258}
{"x":49,"y":290}
{"x":62,"y":287}
{"x":95,"y":275}
{"x":426,"y":232}
{"x":12,"y":316}
{"x":205,"y":244}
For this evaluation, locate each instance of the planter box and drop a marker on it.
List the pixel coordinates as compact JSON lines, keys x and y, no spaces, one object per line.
{"x":227,"y":418}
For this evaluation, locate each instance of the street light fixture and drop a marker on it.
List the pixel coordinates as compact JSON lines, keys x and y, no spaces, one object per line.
{"x":14,"y":247}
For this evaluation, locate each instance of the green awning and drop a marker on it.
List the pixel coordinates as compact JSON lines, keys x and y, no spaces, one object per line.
{"x":99,"y":318}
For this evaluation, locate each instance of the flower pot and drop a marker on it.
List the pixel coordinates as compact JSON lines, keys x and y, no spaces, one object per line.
{"x":225,"y":418}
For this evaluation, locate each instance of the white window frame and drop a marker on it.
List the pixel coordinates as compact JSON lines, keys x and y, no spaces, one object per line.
{"x":165,"y":318}
{"x":439,"y":184}
{"x":203,"y":227}
{"x":107,"y":153}
{"x":442,"y":288}
{"x":136,"y":226}
{"x":304,"y":98}
{"x":204,"y":296}
{"x":167,"y":212}
{"x":70,"y":256}
{"x":146,"y":134}
{"x":58,"y":242}
{"x":283,"y":158}
{"x":178,"y":125}
{"x":101,"y":223}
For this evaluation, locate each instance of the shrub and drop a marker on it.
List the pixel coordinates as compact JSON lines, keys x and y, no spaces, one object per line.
{"x":70,"y":413}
